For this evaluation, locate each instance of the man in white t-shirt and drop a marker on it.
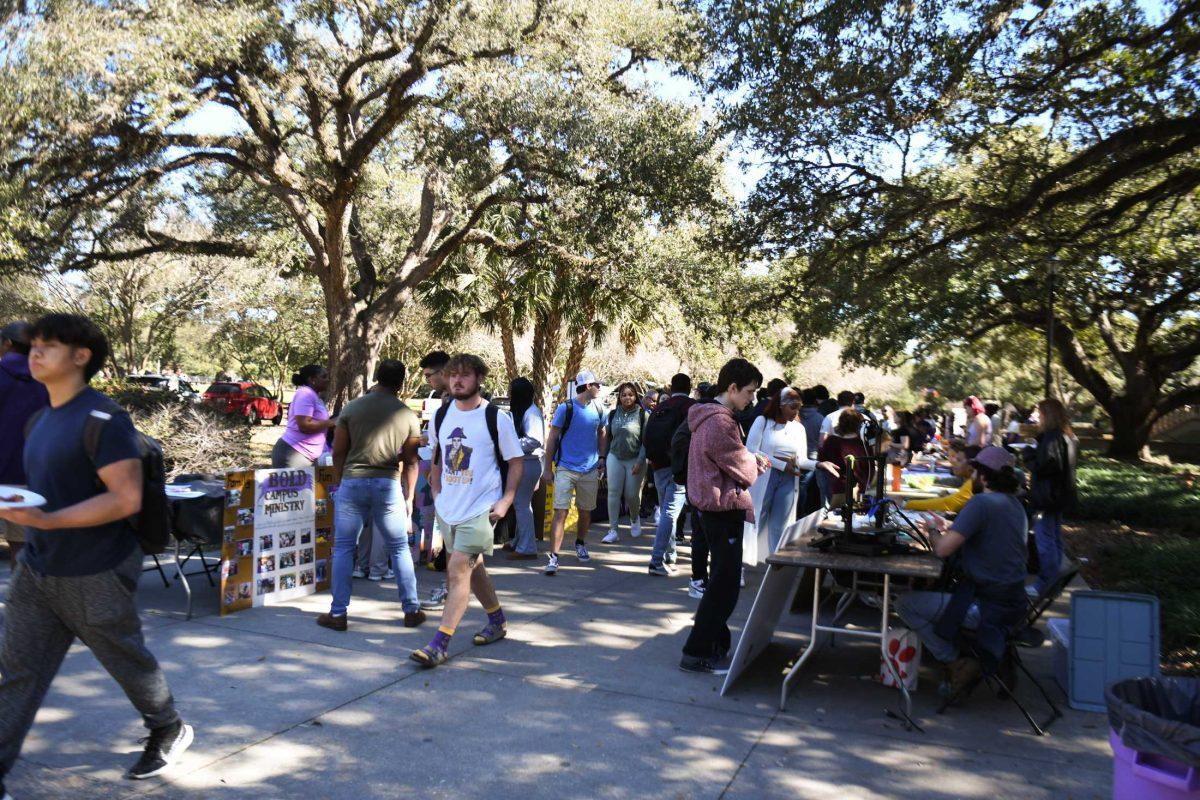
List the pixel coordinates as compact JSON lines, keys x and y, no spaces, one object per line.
{"x":844,"y":400}
{"x":470,"y":495}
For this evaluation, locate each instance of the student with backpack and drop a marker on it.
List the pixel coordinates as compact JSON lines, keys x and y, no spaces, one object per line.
{"x":20,"y":398}
{"x":626,"y":461}
{"x":577,"y":438}
{"x":667,"y":417}
{"x":475,"y":473}
{"x":82,"y":561}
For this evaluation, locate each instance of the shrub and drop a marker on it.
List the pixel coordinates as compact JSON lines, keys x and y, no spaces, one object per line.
{"x":194,"y":438}
{"x":1167,"y":568}
{"x":1146,"y":495}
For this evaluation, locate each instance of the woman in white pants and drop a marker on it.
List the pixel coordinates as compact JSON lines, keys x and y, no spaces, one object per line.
{"x":626,"y":460}
{"x":531,"y":428}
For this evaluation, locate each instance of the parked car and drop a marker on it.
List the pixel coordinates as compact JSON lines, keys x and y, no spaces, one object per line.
{"x":168,"y":384}
{"x":246,"y":398}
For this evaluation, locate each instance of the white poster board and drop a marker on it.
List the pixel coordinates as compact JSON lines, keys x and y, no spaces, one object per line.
{"x":284,"y":535}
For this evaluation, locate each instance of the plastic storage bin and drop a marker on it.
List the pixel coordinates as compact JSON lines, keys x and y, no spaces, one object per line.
{"x":1060,"y":642}
{"x":1114,"y":636}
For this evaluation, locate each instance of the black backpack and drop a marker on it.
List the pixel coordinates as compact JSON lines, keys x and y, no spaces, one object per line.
{"x":681,"y":443}
{"x":657,"y":433}
{"x":151,"y":525}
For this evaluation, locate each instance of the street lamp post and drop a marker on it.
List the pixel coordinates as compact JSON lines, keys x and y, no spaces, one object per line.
{"x":1050,"y":279}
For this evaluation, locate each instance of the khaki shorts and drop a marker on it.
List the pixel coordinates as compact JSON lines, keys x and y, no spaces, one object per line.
{"x":583,"y":485}
{"x":473,"y":537}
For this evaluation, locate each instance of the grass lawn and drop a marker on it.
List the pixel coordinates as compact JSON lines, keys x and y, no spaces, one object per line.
{"x":1139,"y":527}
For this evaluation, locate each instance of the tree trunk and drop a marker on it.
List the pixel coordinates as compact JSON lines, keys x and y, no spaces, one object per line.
{"x":1132,"y":417}
{"x":575,"y":353}
{"x":547,"y":327}
{"x":509,"y":345}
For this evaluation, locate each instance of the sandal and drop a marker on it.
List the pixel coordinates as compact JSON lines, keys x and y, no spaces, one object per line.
{"x":490,"y":633}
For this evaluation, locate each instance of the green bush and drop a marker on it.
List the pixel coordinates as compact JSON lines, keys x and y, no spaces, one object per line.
{"x":1167,"y":568}
{"x":1140,"y":495}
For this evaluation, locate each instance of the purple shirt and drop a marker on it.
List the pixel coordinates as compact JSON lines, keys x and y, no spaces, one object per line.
{"x":20,"y":398}
{"x":306,"y":403}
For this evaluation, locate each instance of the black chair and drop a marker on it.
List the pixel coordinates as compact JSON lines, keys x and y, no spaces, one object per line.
{"x":1003,"y":681}
{"x":195,"y":524}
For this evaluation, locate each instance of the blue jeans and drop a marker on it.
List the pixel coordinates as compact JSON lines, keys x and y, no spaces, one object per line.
{"x":778,"y":503}
{"x":921,"y":612}
{"x":382,"y":501}
{"x":1047,"y":533}
{"x":671,"y":497}
{"x":526,"y":539}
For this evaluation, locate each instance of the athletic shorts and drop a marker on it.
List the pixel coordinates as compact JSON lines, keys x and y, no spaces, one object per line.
{"x":583,"y":485}
{"x":473,"y":537}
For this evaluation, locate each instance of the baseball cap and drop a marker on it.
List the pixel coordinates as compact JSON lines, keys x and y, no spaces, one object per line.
{"x":586,"y":377}
{"x":994,"y":458}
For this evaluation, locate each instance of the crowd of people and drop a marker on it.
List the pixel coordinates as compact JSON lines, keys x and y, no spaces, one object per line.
{"x":736,"y":461}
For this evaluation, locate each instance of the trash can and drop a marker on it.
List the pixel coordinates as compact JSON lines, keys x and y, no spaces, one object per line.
{"x":1155,"y":738}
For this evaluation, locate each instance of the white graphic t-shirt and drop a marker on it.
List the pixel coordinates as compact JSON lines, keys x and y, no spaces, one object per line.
{"x":470,"y":475}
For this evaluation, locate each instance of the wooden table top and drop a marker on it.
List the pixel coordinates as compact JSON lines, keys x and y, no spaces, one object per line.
{"x":913,"y":565}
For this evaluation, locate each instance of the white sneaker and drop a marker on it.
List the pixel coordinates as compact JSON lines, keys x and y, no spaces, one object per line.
{"x":552,"y":565}
{"x":358,"y":573}
{"x":374,"y":578}
{"x":696,"y":589}
{"x":391,"y":573}
{"x":635,"y":528}
{"x":612,"y":537}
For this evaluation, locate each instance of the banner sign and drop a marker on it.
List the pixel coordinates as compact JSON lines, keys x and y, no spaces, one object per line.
{"x":278,"y":536}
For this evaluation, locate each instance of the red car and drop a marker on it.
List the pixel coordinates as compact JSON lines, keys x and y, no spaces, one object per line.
{"x":247,"y":398}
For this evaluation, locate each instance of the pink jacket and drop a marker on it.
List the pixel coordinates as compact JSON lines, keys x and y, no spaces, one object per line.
{"x":720,"y":468}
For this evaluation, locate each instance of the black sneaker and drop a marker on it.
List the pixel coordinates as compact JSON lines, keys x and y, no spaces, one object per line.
{"x":164,"y":746}
{"x":710,"y":666}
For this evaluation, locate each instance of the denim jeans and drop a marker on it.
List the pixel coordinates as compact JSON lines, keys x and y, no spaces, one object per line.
{"x":778,"y":503}
{"x":921,"y":611}
{"x":526,"y":539}
{"x":382,"y":501}
{"x":671,"y":497}
{"x":1047,"y":533}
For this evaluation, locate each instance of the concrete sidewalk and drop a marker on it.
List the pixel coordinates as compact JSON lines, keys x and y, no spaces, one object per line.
{"x":583,"y":700}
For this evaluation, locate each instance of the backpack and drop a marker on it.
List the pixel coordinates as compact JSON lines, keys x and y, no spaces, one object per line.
{"x":151,"y":525}
{"x":658,"y":430}
{"x":491,"y":413}
{"x":681,"y":443}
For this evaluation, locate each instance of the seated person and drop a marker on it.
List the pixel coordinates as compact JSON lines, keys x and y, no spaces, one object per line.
{"x":961,"y":467}
{"x":988,"y":541}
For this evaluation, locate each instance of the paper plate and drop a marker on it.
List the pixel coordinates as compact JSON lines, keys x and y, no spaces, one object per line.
{"x":182,"y":492}
{"x":27,"y":499}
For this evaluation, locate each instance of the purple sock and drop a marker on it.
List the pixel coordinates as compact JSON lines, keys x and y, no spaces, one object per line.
{"x":441,"y":640}
{"x":496,"y":617}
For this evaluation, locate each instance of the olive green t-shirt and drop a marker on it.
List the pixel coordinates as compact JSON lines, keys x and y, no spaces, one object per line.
{"x":379,"y":424}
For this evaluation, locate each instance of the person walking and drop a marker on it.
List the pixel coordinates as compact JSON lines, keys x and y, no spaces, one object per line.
{"x":476,"y":444}
{"x":625,"y":463}
{"x":432,"y":367}
{"x":20,"y":398}
{"x":979,"y":425}
{"x":660,"y":428}
{"x":531,"y":428}
{"x":577,"y":437}
{"x":779,"y":437}
{"x":1052,"y":490}
{"x":303,"y":442}
{"x":375,"y":467}
{"x":720,"y":470}
{"x":80,"y":568}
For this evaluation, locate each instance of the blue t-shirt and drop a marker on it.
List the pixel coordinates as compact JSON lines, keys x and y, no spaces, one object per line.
{"x":57,"y":467}
{"x":580,"y":450}
{"x":996,"y":529}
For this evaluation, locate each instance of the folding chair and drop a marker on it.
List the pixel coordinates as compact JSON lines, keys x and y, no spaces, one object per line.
{"x":1020,"y":635}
